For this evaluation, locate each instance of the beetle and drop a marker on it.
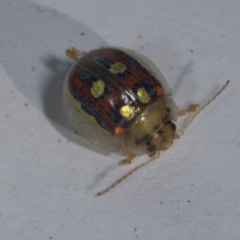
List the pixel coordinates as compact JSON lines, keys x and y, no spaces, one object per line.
{"x":118,"y":99}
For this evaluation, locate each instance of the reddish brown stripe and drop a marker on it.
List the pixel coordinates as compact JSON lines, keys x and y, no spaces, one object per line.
{"x":104,"y":105}
{"x":136,"y":71}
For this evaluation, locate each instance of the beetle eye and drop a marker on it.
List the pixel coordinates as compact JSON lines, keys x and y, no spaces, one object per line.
{"x":173,"y":127}
{"x":159,"y":132}
{"x":152,"y":148}
{"x":168,"y":110}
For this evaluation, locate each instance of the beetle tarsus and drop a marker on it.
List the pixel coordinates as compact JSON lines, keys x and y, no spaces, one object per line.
{"x":74,"y":54}
{"x":191,"y":109}
{"x":127,"y":160}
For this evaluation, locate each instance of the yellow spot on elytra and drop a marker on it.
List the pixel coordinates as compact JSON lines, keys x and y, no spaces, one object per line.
{"x":143,"y":95}
{"x":98,"y":88}
{"x":117,"y":68}
{"x":127,"y":112}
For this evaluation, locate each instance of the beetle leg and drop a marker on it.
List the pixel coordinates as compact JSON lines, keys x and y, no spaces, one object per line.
{"x":191,"y":108}
{"x":196,"y":109}
{"x":127,"y":160}
{"x":74,"y":54}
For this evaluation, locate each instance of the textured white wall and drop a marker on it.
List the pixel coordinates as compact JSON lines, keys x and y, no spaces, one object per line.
{"x":48,"y":176}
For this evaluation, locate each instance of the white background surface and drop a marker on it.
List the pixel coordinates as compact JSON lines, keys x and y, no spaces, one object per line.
{"x":48,"y":176}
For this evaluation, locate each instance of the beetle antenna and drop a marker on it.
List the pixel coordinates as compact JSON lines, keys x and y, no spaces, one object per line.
{"x":128,"y":174}
{"x":199,"y":109}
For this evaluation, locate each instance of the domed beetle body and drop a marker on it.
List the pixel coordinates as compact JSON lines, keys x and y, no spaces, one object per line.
{"x":118,"y":99}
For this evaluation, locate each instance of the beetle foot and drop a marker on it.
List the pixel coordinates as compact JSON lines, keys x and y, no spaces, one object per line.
{"x":127,"y":160}
{"x":74,"y":54}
